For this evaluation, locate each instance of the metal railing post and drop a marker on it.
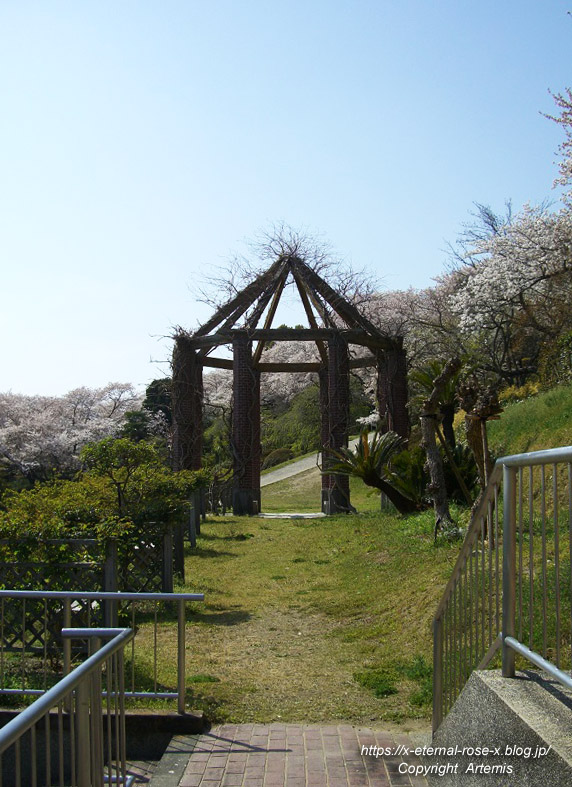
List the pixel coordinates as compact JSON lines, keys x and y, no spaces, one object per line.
{"x":437,"y":673}
{"x":96,"y":717}
{"x":509,"y":569}
{"x":82,"y":736}
{"x":181,"y":625}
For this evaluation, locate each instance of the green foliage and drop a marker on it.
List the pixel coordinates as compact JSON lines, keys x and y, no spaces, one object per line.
{"x":277,"y":457}
{"x":409,"y":465}
{"x":62,"y":509}
{"x":295,"y":427}
{"x":549,"y":411}
{"x":380,"y":681}
{"x":118,"y":458}
{"x":158,"y":398}
{"x":89,"y":507}
{"x":465,"y":462}
{"x":555,"y":363}
{"x":422,"y":673}
{"x":518,"y":393}
{"x":136,"y":426}
{"x":216,"y":441}
{"x":371,"y":460}
{"x":423,"y":379}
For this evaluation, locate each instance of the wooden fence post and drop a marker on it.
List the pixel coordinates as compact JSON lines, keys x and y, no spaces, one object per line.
{"x":193,"y":526}
{"x":180,"y":550}
{"x":167,"y":573}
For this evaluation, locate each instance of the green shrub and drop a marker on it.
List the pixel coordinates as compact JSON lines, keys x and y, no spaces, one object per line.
{"x":380,"y":681}
{"x":277,"y":457}
{"x":517,"y":393}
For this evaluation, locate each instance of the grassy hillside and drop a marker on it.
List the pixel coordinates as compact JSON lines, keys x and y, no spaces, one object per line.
{"x":326,"y":619}
{"x":309,"y":619}
{"x":542,"y":421}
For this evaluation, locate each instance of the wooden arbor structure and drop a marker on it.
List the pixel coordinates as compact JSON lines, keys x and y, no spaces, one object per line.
{"x":334,"y":325}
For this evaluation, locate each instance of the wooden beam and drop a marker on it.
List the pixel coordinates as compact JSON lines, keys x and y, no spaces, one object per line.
{"x":290,"y":367}
{"x":363,"y":363}
{"x":217,"y":363}
{"x":379,"y":342}
{"x":271,"y":312}
{"x":310,"y":366}
{"x":274,"y":290}
{"x":346,"y":310}
{"x":262,"y":303}
{"x":240,"y":303}
{"x":310,"y":315}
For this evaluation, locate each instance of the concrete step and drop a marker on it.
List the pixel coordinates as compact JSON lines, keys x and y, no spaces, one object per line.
{"x":524,"y":722}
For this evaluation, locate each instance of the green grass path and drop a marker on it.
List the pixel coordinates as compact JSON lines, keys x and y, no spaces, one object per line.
{"x":299,"y":614}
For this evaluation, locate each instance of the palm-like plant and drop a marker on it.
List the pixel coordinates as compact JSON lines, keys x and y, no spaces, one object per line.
{"x":370,"y":460}
{"x":425,"y":378}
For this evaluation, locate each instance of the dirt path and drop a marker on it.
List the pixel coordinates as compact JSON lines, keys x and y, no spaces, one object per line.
{"x":283,"y":666}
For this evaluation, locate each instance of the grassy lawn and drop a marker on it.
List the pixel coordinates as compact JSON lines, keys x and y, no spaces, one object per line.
{"x":302,"y":493}
{"x":315,"y":620}
{"x":542,"y":421}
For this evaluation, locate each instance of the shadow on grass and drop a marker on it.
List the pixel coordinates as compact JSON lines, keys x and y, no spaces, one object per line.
{"x":235,"y":537}
{"x":206,"y":552}
{"x":223,"y":617}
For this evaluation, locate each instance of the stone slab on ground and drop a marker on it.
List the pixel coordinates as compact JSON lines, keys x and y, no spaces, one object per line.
{"x":525,"y":722}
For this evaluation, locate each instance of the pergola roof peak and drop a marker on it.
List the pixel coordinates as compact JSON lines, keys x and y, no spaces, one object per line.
{"x":262,"y":296}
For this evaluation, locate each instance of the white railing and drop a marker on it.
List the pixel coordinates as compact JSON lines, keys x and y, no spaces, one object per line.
{"x":31,"y":649}
{"x":65,"y":737}
{"x":510,"y":585}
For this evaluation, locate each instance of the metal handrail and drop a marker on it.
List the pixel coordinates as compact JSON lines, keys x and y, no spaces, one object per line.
{"x":473,"y":529}
{"x":111,"y":600}
{"x":88,"y":759}
{"x":31,"y":715}
{"x":467,"y":626}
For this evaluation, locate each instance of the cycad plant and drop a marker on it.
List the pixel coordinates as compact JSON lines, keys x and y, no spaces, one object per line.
{"x":370,"y":460}
{"x":425,"y":378}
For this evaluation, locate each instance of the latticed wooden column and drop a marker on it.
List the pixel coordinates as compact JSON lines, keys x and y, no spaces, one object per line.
{"x":336,"y":490}
{"x":187,"y":403}
{"x":324,"y":431}
{"x":392,"y":391}
{"x":245,"y":429}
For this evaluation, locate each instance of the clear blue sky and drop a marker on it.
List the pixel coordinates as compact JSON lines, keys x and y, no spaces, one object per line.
{"x":142,"y":142}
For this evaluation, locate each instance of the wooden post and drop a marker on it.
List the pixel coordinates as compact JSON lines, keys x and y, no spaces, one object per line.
{"x":392,"y":393}
{"x":245,"y":428}
{"x":187,"y":396}
{"x":325,"y":436}
{"x":337,"y":494}
{"x":167,"y":572}
{"x":179,"y":556}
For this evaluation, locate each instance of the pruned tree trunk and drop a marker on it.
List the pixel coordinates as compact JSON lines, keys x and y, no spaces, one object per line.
{"x":480,"y":406}
{"x":429,"y":421}
{"x":475,"y":441}
{"x":447,"y":422}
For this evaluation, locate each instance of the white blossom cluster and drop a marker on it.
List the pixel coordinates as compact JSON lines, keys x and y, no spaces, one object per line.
{"x":46,"y":433}
{"x":521,"y":268}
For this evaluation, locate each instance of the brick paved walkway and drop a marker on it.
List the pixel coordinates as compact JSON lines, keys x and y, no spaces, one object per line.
{"x":291,"y":755}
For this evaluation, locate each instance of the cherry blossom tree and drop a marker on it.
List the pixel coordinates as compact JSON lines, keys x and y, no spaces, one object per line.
{"x":564,"y":119}
{"x":514,"y":291}
{"x":42,"y":435}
